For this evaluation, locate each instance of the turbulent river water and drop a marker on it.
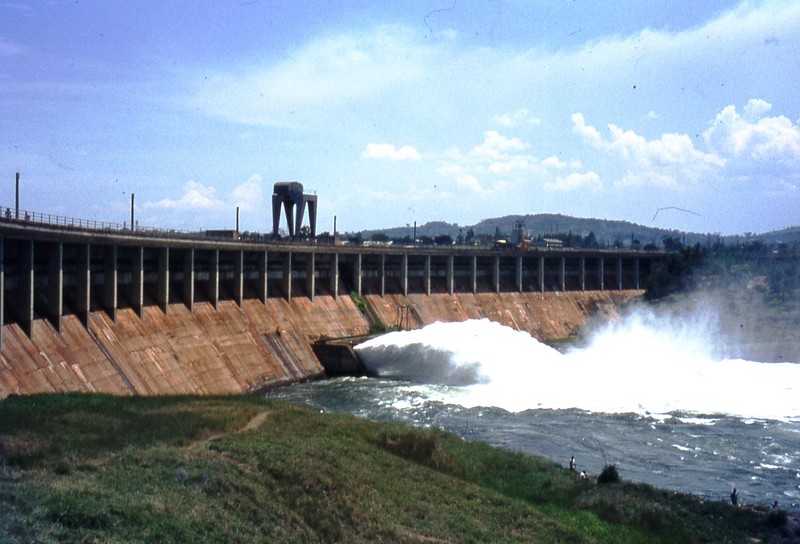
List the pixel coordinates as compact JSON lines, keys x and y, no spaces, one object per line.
{"x":655,"y":397}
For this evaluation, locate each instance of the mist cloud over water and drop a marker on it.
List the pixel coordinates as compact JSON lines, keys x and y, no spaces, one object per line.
{"x":642,"y":363}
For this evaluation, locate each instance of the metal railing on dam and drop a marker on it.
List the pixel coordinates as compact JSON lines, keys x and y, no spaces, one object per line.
{"x":49,"y":270}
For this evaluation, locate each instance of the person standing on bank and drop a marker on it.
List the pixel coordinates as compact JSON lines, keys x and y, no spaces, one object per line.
{"x":734,"y":497}
{"x":572,"y":464}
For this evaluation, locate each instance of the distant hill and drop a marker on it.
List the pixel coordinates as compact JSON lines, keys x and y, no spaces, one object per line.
{"x":606,"y":231}
{"x":784,"y":236}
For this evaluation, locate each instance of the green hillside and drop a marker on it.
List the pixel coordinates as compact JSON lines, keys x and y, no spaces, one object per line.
{"x":607,"y":232}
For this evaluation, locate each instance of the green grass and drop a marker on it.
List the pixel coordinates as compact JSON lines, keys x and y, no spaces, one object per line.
{"x":94,"y":468}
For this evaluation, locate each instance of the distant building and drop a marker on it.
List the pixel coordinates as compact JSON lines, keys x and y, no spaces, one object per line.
{"x":519,"y":234}
{"x":550,"y":243}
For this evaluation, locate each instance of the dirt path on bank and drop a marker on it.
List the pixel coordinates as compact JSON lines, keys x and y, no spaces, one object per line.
{"x":254,"y":423}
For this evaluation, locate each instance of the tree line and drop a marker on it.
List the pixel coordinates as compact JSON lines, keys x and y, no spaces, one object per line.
{"x":772,"y":270}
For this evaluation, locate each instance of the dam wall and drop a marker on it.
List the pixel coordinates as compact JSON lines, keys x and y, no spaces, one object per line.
{"x":550,"y":316}
{"x":156,"y":313}
{"x":229,"y":349}
{"x":233,"y":349}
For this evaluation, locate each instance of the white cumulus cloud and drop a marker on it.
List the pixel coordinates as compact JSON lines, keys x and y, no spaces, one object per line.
{"x":249,"y":196}
{"x":749,"y":146}
{"x":390,"y":152}
{"x":669,"y":149}
{"x":480,"y":168}
{"x":462,"y":178}
{"x":497,"y":146}
{"x":754,"y":135}
{"x":520,"y":117}
{"x":555,"y":162}
{"x":501,"y":164}
{"x":661,"y":162}
{"x":196,"y":196}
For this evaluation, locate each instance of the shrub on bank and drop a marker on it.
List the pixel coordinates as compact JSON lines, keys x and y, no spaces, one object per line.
{"x":609,"y":475}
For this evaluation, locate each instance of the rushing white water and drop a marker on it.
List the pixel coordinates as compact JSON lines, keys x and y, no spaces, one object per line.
{"x":640,"y":364}
{"x":659,"y":392}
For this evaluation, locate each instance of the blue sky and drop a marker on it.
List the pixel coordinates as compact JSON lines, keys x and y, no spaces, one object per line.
{"x":403,"y":112}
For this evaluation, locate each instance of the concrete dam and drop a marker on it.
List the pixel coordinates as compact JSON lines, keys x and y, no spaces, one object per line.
{"x":96,"y":309}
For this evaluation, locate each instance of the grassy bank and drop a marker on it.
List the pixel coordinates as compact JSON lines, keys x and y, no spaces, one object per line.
{"x":93,"y":468}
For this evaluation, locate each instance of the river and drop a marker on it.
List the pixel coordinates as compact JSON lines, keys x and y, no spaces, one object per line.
{"x":660,"y":398}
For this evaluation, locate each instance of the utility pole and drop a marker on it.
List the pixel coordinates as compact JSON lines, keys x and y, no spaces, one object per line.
{"x":133,"y":225}
{"x":17,"y":196}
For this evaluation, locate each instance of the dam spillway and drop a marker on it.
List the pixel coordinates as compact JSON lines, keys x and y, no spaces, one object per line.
{"x":157,"y":312}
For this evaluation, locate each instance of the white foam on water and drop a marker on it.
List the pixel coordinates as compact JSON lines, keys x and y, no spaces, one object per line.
{"x":639,"y":364}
